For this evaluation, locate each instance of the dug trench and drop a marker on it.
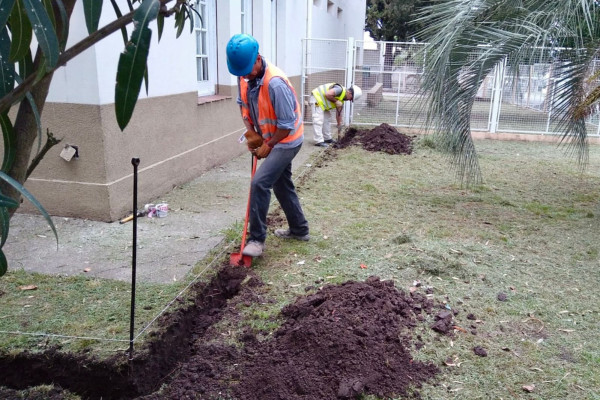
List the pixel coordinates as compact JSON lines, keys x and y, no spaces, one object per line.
{"x":338,"y":341}
{"x":116,"y":377}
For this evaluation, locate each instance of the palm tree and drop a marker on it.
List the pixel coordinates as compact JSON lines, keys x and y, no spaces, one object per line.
{"x":468,"y":38}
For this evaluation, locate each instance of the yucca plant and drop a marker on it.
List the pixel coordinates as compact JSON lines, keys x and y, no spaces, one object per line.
{"x":468,"y":38}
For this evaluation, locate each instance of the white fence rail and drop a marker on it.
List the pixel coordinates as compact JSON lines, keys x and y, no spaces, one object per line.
{"x":389,"y":74}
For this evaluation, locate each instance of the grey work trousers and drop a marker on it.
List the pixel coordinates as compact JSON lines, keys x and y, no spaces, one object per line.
{"x":275,"y":172}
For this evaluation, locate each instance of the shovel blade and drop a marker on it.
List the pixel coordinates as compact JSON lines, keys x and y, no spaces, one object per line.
{"x":240,"y":260}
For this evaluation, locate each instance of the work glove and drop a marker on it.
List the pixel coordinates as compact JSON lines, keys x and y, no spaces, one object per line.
{"x":339,"y":104}
{"x":263,"y":151}
{"x":254,"y":140}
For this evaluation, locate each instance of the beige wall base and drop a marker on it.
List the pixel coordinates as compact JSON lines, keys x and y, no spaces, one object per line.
{"x":175,"y":139}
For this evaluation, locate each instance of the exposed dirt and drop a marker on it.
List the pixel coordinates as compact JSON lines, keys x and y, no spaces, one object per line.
{"x":341,"y":341}
{"x":337,"y":343}
{"x":117,"y":378}
{"x":383,"y":138}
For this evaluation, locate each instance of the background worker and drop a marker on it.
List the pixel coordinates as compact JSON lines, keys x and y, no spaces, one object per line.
{"x":275,"y":133}
{"x":324,"y":99}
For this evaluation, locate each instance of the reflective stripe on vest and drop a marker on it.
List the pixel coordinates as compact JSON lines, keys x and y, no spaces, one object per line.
{"x":319,"y":95}
{"x":267,"y":119}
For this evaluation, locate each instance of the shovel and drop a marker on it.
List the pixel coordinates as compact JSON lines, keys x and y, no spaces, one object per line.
{"x":341,"y":132}
{"x":238,"y":259}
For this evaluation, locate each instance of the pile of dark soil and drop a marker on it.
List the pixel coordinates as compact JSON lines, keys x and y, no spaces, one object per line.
{"x":340,"y":342}
{"x":383,"y":138}
{"x":343,"y":341}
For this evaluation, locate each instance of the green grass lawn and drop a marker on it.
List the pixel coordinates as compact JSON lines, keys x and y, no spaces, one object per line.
{"x":529,"y":231}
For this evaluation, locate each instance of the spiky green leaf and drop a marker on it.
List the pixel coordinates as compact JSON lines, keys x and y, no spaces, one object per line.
{"x":21,"y":31}
{"x":160,"y":24}
{"x":25,"y":193}
{"x":44,"y":31}
{"x":64,"y":18}
{"x":132,"y":62}
{"x":3,"y":263}
{"x":48,"y":7}
{"x":92,"y":10}
{"x":4,"y":225}
{"x":38,"y":120}
{"x":5,"y":10}
{"x":7,"y":202}
{"x":26,"y":65}
{"x":10,"y":143}
{"x":119,"y":15}
{"x":180,"y":21}
{"x":36,"y":114}
{"x":146,"y":81}
{"x":514,"y":33}
{"x":7,"y":68}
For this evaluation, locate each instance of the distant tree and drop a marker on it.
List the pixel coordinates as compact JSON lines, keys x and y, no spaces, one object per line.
{"x":392,"y":21}
{"x":25,"y":76}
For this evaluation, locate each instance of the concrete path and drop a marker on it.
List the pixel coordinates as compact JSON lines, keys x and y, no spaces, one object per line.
{"x":167,"y":247}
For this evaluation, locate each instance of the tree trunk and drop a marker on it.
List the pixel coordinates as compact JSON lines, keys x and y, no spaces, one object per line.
{"x":25,"y":125}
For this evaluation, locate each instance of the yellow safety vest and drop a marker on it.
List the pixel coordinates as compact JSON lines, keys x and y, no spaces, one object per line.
{"x":319,"y":95}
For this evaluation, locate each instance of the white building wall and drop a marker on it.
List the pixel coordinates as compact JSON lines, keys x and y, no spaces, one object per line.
{"x":202,"y":132}
{"x":291,"y":28}
{"x":90,"y":77}
{"x":261,"y":27}
{"x":77,"y":82}
{"x":228,"y":24}
{"x":341,"y":20}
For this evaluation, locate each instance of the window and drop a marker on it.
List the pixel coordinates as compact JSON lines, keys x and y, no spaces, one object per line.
{"x":246,"y":12}
{"x":206,"y":53}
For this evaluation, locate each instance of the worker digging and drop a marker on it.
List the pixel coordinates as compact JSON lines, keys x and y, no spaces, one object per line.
{"x":274,"y":133}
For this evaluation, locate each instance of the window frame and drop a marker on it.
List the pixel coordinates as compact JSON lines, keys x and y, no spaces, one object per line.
{"x":246,"y":16}
{"x":208,"y":27}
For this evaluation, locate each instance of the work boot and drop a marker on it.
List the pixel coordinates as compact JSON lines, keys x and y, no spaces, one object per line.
{"x":253,"y":248}
{"x":330,"y":141}
{"x":286,"y":234}
{"x":321,"y":144}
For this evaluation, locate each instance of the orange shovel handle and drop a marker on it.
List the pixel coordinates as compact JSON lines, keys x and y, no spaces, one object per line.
{"x":248,"y":206}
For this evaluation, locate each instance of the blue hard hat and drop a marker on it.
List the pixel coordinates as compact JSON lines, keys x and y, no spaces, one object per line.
{"x":242,"y":51}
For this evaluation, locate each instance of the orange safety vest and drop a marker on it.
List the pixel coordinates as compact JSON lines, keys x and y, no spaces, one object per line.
{"x":267,"y":120}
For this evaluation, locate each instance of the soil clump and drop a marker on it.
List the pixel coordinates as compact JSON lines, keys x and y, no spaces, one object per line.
{"x":383,"y":138}
{"x":340,"y":342}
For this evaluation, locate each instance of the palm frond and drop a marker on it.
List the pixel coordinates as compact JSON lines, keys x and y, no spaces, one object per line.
{"x":467,"y":39}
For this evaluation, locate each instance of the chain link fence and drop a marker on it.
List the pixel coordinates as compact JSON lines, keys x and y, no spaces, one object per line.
{"x":512,"y":98}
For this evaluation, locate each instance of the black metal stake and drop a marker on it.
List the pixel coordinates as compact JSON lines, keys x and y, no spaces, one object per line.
{"x":135,"y":162}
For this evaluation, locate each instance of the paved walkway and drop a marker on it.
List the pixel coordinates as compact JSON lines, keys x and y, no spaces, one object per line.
{"x":167,"y":247}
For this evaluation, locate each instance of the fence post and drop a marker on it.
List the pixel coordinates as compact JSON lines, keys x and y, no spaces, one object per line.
{"x":303,"y":95}
{"x":497,"y":96}
{"x":350,"y":54}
